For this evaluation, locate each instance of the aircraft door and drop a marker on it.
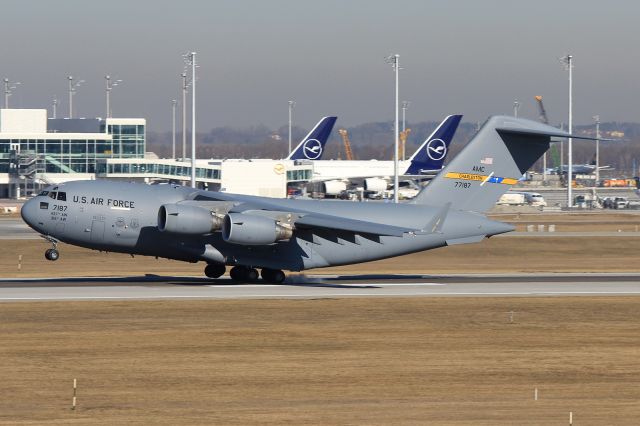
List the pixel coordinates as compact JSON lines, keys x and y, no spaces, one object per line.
{"x":97,"y":231}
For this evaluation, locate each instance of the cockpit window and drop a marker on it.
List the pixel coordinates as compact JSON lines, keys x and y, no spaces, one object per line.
{"x":53,"y":195}
{"x":62,"y":196}
{"x":44,"y":193}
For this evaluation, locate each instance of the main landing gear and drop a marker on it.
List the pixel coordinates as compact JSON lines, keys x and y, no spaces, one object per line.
{"x":52,"y":253}
{"x":275,"y":276}
{"x":245,"y":274}
{"x":214,"y":270}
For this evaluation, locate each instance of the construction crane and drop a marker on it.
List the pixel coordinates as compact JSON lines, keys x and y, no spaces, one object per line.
{"x":555,"y":155}
{"x":403,"y":138}
{"x":347,"y":144}
{"x":541,"y":110}
{"x":404,"y":134}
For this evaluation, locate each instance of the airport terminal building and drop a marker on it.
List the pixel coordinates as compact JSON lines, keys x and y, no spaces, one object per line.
{"x":37,"y":151}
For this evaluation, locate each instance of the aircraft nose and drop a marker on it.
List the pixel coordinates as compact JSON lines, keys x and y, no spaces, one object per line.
{"x":29,"y":212}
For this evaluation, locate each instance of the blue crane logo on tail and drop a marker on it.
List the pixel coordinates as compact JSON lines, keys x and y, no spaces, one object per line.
{"x":436,"y":149}
{"x":312,"y":149}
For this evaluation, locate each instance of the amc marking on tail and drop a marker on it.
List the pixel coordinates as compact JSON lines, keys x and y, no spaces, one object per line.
{"x":481,"y":178}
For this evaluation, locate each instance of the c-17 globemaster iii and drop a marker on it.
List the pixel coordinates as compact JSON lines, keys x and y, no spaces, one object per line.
{"x":251,"y":233}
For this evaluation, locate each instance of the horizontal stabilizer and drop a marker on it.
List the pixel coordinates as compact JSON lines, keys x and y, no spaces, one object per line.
{"x":553,"y":134}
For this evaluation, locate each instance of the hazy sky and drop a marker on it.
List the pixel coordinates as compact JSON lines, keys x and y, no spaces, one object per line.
{"x":469,"y":57}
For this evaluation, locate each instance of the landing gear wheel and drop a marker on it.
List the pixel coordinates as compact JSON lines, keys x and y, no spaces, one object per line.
{"x":252,"y":275}
{"x":51,"y":254}
{"x":274,"y":276}
{"x":214,"y":270}
{"x":243,"y":274}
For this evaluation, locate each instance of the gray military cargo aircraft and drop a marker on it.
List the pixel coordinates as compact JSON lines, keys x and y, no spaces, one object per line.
{"x":250,"y":233}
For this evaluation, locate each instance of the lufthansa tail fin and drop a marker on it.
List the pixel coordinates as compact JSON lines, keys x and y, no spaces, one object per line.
{"x":497,"y":156}
{"x":312,"y":146}
{"x":429,"y":158}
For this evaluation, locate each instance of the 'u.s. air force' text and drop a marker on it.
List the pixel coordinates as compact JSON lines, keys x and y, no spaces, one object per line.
{"x":99,"y":201}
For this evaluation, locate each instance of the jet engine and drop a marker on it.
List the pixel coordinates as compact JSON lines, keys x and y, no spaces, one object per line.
{"x":334,"y":187}
{"x":187,"y":219}
{"x":254,"y":230}
{"x":375,"y":184}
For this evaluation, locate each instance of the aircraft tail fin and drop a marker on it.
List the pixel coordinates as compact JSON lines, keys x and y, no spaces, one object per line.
{"x":432,"y":153}
{"x":497,"y":156}
{"x":312,"y":146}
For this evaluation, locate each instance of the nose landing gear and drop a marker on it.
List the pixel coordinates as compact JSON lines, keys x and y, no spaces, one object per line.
{"x":52,"y":253}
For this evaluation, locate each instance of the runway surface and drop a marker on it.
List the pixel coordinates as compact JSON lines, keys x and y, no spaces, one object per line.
{"x":319,"y":286}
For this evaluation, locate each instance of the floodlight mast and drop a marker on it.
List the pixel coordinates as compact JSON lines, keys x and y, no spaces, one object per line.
{"x":516,"y":107}
{"x":568,"y":63}
{"x":292,"y":104}
{"x":109,"y":86}
{"x":7,"y":93}
{"x":597,"y":120}
{"x":72,"y":91}
{"x":173,"y":128}
{"x":8,"y":90}
{"x":184,"y":114}
{"x":192,"y":62}
{"x":394,"y":60}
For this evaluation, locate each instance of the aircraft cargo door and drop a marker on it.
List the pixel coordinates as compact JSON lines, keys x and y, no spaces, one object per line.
{"x":97,"y":231}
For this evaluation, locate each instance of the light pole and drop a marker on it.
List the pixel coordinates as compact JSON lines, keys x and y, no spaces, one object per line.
{"x":597,"y":119}
{"x":110,"y":85}
{"x":516,"y":107}
{"x":405,"y":106}
{"x":173,"y":128}
{"x":394,"y":60}
{"x":8,"y":90}
{"x":568,"y":63}
{"x":292,"y":104}
{"x":192,"y":61}
{"x":72,"y":91}
{"x":184,"y":114}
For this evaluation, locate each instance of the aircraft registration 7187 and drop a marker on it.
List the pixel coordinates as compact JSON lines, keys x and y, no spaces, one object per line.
{"x":252,"y":233}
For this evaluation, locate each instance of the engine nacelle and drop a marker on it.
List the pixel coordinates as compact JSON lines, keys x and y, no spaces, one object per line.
{"x":253,"y":230}
{"x":334,"y":187}
{"x":375,"y":185}
{"x":187,"y":219}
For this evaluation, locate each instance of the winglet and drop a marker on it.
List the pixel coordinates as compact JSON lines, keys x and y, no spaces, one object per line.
{"x":432,"y":153}
{"x":312,"y":146}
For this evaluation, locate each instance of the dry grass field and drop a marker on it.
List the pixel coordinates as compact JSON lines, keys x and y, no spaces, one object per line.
{"x":499,"y":254}
{"x":349,"y":361}
{"x":437,"y":361}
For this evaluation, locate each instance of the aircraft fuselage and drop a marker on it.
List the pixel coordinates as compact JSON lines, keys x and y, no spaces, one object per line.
{"x":123,"y":217}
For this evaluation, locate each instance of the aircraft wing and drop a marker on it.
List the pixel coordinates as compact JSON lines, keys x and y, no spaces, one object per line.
{"x":305,"y":218}
{"x":317,"y":220}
